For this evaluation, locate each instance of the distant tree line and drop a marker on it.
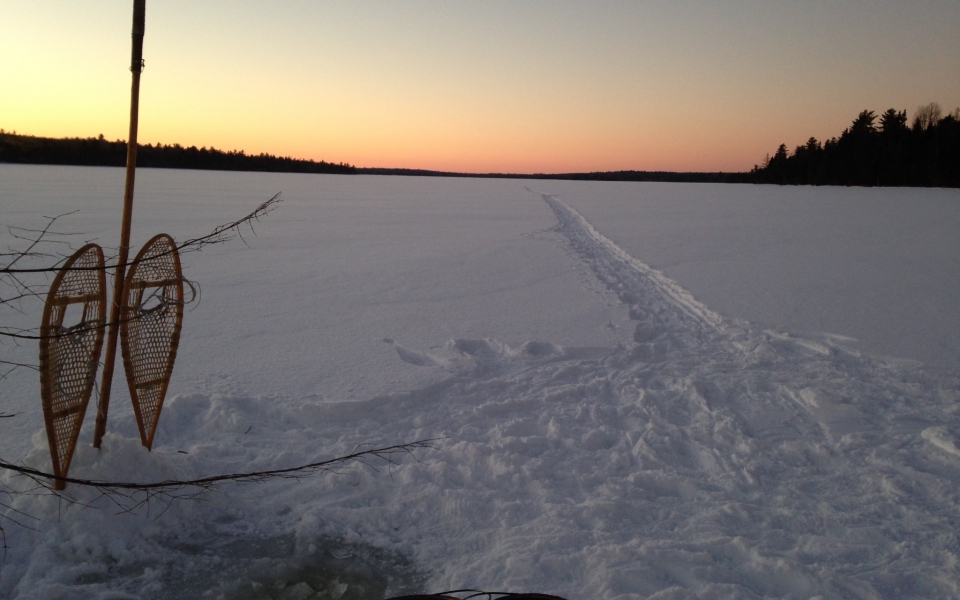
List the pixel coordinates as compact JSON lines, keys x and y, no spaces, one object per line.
{"x":870,"y":153}
{"x":691,"y":177}
{"x":100,"y":152}
{"x":670,"y":176}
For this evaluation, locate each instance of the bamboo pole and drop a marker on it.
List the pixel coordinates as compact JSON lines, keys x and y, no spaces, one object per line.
{"x":136,"y":67}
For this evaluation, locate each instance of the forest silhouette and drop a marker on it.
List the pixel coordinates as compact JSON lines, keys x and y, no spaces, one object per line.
{"x":887,"y":152}
{"x":100,"y":152}
{"x":873,"y":151}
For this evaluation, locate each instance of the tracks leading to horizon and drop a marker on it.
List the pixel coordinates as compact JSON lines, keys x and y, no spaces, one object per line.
{"x":661,"y":307}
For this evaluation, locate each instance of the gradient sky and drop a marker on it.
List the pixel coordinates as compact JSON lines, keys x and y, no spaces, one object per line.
{"x":536,"y":86}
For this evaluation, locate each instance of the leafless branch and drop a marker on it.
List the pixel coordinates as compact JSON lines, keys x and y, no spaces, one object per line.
{"x":7,"y":367}
{"x":220,"y":234}
{"x":14,"y":288}
{"x":130,"y":496}
{"x":38,"y":236}
{"x":161,"y":304}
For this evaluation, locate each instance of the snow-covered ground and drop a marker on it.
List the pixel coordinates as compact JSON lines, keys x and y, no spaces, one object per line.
{"x":709,"y":429}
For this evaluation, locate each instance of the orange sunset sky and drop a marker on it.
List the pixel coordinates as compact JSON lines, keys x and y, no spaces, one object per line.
{"x":479,"y":86}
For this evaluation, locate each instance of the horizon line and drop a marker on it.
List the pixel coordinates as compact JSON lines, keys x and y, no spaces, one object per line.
{"x":389,"y":170}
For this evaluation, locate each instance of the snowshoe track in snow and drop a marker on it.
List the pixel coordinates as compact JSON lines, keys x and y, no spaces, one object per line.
{"x":660,"y":305}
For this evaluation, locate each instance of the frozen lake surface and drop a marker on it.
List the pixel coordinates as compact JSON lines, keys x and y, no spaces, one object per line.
{"x":645,"y":390}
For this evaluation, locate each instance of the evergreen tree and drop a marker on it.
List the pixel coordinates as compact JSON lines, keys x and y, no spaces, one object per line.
{"x":926,"y":154}
{"x":893,"y":122}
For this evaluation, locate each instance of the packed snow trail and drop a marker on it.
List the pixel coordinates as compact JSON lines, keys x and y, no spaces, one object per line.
{"x":704,"y":460}
{"x":658,"y":303}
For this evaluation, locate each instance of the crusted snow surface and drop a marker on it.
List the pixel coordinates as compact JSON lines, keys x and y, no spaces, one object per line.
{"x":701,"y":459}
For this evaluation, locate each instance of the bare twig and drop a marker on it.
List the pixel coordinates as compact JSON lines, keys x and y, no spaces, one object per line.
{"x":19,"y":289}
{"x":220,"y":234}
{"x":163,"y":304}
{"x":7,"y":367}
{"x":40,"y":236}
{"x":130,"y":496}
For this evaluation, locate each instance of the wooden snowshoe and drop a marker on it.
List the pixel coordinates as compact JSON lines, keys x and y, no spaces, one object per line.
{"x":70,"y":354}
{"x":150,"y":322}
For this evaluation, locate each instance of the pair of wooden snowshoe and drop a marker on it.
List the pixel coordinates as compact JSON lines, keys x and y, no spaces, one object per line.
{"x":71,"y":338}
